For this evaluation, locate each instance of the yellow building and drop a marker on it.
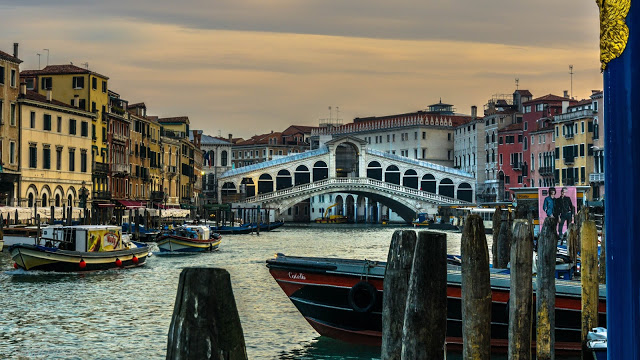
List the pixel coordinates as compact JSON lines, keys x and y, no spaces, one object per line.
{"x":170,"y":179}
{"x":138,"y":156}
{"x":86,"y":90}
{"x":574,"y":144}
{"x":55,"y":152}
{"x":9,"y":131}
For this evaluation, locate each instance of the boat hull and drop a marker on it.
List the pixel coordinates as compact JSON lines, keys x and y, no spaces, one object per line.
{"x":233,"y":230}
{"x":35,"y":257}
{"x":320,"y":291}
{"x":173,"y":243}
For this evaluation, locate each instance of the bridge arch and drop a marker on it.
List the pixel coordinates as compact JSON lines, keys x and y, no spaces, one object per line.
{"x":465,"y":192}
{"x":347,"y":160}
{"x":265,"y":184}
{"x":446,"y":187}
{"x":410,"y":179}
{"x":428,"y":183}
{"x":392,"y":175}
{"x":228,"y":188}
{"x":283,"y":180}
{"x":374,"y":170}
{"x":320,"y":171}
{"x":302,"y":175}
{"x":249,"y":186}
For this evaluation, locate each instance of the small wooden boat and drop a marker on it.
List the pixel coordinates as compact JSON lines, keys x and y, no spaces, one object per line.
{"x":597,"y":343}
{"x":233,"y":230}
{"x":189,"y":238}
{"x":79,"y":248}
{"x":270,"y":226}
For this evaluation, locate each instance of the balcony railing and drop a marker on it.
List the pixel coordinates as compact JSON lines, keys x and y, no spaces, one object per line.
{"x":119,"y":168}
{"x":569,"y":181}
{"x":546,"y":170}
{"x":99,"y":167}
{"x":568,"y":136}
{"x":596,"y":177}
{"x":516,"y":165}
{"x":102,"y":195}
{"x":574,"y":115}
{"x":569,"y":160}
{"x":119,"y":137}
{"x":157,"y":195}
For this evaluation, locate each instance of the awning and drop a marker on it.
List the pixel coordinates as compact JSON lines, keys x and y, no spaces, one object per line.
{"x":130,"y":204}
{"x":106,"y":205}
{"x":168,"y":206}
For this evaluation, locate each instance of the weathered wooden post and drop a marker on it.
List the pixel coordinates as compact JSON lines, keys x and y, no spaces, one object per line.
{"x":396,"y":285}
{"x":37,"y":229}
{"x":1,"y":227}
{"x":52,"y":218}
{"x":573,"y":245}
{"x":258,"y":220}
{"x":205,"y":322}
{"x":136,"y":215}
{"x":503,"y":244}
{"x":521,"y":292}
{"x":476,"y":291}
{"x":17,"y":218}
{"x":425,"y":318}
{"x":496,"y":222}
{"x":589,"y":279}
{"x":546,"y":290}
{"x":70,"y":216}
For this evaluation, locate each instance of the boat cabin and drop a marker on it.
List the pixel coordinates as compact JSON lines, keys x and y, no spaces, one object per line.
{"x":84,"y":238}
{"x":202,"y":232}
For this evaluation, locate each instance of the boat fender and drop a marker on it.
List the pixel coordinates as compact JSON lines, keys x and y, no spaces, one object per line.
{"x":362,"y":297}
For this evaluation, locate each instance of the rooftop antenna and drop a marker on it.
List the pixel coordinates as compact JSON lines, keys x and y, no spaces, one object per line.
{"x":329,"y":114}
{"x":337,"y":113}
{"x":517,"y":82}
{"x":571,"y":76}
{"x":47,"y":50}
{"x":219,"y":133}
{"x":86,"y":65}
{"x":38,"y":61}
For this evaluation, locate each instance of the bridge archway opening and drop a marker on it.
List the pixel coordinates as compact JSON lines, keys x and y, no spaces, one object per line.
{"x":446,"y":187}
{"x":249,"y":187}
{"x":301,"y":175}
{"x":350,"y":208}
{"x":320,"y":171}
{"x":428,"y":183}
{"x":265,"y":184}
{"x":283,"y":180}
{"x":410,"y":179}
{"x":228,"y":188}
{"x":339,"y":208}
{"x":392,"y":175}
{"x":374,"y":170}
{"x":465,"y":192}
{"x":361,"y":209}
{"x":347,"y":160}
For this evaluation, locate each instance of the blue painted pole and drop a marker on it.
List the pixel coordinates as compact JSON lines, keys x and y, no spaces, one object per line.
{"x":622,"y":193}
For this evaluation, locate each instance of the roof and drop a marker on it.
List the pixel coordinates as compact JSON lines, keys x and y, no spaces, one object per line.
{"x":548,"y":97}
{"x":210,"y":140}
{"x":259,"y":139}
{"x":298,"y":128}
{"x":136,"y":105}
{"x":32,"y":95}
{"x":60,"y":70}
{"x":177,"y":119}
{"x":512,"y":127}
{"x":5,"y":56}
{"x":523,"y":92}
{"x":582,"y":103}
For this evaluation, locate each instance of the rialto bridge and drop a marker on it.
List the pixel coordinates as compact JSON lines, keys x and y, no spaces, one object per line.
{"x":345,"y":165}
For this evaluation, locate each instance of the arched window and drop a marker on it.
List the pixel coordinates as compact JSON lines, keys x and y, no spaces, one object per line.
{"x":223,"y":158}
{"x":30,"y":200}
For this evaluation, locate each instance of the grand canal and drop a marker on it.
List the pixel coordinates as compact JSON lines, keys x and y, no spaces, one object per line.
{"x":126,"y":314}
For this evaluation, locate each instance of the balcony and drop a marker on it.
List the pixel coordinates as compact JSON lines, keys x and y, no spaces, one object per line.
{"x":102,"y":195}
{"x":546,"y":170}
{"x":119,"y":137}
{"x":99,"y":167}
{"x":171,"y":169}
{"x":157,"y":196}
{"x":568,"y":136}
{"x":596,"y":177}
{"x":569,"y":181}
{"x":120,"y":168}
{"x":576,"y":115}
{"x":569,"y":160}
{"x":516,"y":165}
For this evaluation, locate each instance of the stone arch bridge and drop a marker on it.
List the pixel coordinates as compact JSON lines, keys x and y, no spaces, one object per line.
{"x":345,"y":165}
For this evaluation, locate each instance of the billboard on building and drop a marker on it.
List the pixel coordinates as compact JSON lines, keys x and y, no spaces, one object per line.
{"x":560,"y":202}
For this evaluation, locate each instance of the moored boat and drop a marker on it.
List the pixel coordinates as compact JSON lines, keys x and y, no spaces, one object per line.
{"x":189,"y":238}
{"x":234,"y":230}
{"x":79,"y":248}
{"x":342,"y":299}
{"x":271,"y":226}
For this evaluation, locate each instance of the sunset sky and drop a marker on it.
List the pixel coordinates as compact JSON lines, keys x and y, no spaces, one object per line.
{"x":248,"y":67}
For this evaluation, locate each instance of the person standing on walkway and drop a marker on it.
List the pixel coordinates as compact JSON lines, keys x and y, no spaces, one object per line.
{"x":563,"y":209}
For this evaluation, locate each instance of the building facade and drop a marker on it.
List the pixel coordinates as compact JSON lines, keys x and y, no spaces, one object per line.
{"x":468,"y":138}
{"x":9,"y":127}
{"x":217,"y":154}
{"x":596,"y":178}
{"x":55,"y":152}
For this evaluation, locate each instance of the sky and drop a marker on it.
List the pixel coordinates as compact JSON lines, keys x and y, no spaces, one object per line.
{"x":247,"y":67}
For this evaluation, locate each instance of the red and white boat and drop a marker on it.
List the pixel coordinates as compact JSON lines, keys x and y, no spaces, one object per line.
{"x":342,"y":299}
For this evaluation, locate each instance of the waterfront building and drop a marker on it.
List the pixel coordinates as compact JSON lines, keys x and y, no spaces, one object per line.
{"x":87,"y":90}
{"x":596,"y":178}
{"x":468,"y":138}
{"x":9,"y":127}
{"x":217,"y":153}
{"x":118,"y":134}
{"x":574,"y":144}
{"x":265,"y":147}
{"x":542,"y":153}
{"x":170,"y":179}
{"x":500,"y":112}
{"x":55,"y":165}
{"x":178,"y":128}
{"x":510,"y":158}
{"x":139,"y":177}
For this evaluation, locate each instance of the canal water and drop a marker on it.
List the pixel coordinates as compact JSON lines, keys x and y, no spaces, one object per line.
{"x":126,"y":313}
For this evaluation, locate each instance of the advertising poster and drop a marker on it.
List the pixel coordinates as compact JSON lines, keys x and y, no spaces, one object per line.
{"x":104,"y":240}
{"x":560,"y":202}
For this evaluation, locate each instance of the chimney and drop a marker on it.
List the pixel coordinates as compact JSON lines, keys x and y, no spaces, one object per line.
{"x":566,"y":94}
{"x":23,"y":88}
{"x":15,"y":50}
{"x":230,"y":137}
{"x":49,"y":95}
{"x":76,"y":100}
{"x":474,"y":111}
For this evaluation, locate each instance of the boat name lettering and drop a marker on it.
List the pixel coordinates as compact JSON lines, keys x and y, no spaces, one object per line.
{"x":297,"y":276}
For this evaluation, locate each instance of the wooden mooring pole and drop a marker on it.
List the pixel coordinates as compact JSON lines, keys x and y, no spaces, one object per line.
{"x":546,"y":290}
{"x":589,"y":279}
{"x":497,"y":223}
{"x":503,"y":246}
{"x":476,"y":291}
{"x":521,"y":292}
{"x":396,"y":284}
{"x":205,"y":322}
{"x":425,"y":318}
